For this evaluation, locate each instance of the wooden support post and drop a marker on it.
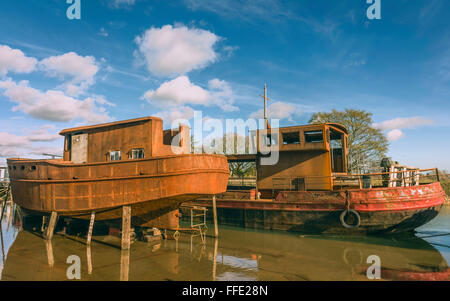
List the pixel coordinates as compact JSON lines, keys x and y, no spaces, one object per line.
{"x":49,"y":249}
{"x":43,"y":223}
{"x":216,"y":227}
{"x":216,"y":245}
{"x":91,"y":227}
{"x":124,"y":265}
{"x":126,"y":227}
{"x":51,"y":225}
{"x":89,"y":259}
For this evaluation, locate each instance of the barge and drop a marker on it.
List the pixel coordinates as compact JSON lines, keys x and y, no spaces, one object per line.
{"x":126,"y":163}
{"x":309,"y":189}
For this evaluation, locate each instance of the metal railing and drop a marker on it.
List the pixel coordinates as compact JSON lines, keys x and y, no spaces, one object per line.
{"x":245,"y":181}
{"x":402,"y":178}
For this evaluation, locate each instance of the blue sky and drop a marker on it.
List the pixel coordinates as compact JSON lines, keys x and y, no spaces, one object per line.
{"x":125,"y":59}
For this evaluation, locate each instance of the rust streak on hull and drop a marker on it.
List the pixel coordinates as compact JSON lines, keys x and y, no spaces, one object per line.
{"x":381,"y":210}
{"x":152,"y":187}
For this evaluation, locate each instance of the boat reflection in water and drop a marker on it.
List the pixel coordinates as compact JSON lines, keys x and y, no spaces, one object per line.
{"x":238,"y":254}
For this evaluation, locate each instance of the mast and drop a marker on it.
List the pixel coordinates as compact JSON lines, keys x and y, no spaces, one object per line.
{"x":266,"y":121}
{"x":265,"y":102}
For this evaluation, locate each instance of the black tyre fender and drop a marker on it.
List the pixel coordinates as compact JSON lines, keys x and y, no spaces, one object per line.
{"x":355,"y":213}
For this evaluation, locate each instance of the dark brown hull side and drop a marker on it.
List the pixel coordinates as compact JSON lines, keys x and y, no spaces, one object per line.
{"x":318,"y":222}
{"x":394,"y":209}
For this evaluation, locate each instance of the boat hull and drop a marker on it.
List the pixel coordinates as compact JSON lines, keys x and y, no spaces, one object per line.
{"x":152,"y":187}
{"x":389,"y":210}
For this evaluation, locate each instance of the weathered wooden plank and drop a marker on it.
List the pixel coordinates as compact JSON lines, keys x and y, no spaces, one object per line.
{"x":126,"y":227}
{"x":91,"y":227}
{"x":216,"y":227}
{"x":51,"y":225}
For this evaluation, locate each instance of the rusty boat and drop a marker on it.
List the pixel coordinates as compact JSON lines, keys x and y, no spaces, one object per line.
{"x":126,"y":163}
{"x":309,"y":189}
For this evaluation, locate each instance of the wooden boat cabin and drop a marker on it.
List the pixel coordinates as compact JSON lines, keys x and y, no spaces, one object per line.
{"x":123,"y":140}
{"x":104,"y":167}
{"x":309,"y":157}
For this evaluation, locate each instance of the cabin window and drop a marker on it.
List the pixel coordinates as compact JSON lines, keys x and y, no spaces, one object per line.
{"x":137,"y":153}
{"x":115,"y":156}
{"x":291,"y":138}
{"x":68,"y":143}
{"x":270,"y":139}
{"x":313,"y":136}
{"x":337,"y":151}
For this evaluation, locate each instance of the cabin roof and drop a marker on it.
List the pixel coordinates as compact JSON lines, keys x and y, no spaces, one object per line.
{"x":339,"y":126}
{"x":103,"y":125}
{"x":336,"y":125}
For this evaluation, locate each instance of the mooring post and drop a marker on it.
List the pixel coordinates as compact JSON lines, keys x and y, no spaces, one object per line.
{"x":51,"y":225}
{"x":216,"y":228}
{"x":91,"y":227}
{"x":126,"y":227}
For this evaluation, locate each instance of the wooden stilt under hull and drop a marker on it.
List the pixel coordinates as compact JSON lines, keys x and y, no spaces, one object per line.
{"x":142,"y":213}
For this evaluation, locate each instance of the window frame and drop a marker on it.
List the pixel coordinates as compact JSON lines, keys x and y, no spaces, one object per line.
{"x":138,"y":151}
{"x":115,"y":152}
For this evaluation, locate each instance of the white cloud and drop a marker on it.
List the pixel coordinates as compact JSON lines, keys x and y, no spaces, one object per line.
{"x":121,"y":3}
{"x":394,"y":126}
{"x":395,"y":135}
{"x":15,"y":60}
{"x":52,"y":105}
{"x":170,"y":51}
{"x":12,"y":145}
{"x":10,"y":140}
{"x":176,"y":92}
{"x":403,"y":123}
{"x":103,"y":32}
{"x":43,"y":135}
{"x":20,"y":146}
{"x":222,"y":95}
{"x":176,"y":114}
{"x":181,"y":91}
{"x":279,"y":110}
{"x":81,"y":69}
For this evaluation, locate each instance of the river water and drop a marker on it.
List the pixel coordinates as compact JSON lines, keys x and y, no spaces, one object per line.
{"x":238,"y":254}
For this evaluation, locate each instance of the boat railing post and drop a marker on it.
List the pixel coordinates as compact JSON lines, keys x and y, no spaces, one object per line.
{"x":437,"y":175}
{"x":216,"y":228}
